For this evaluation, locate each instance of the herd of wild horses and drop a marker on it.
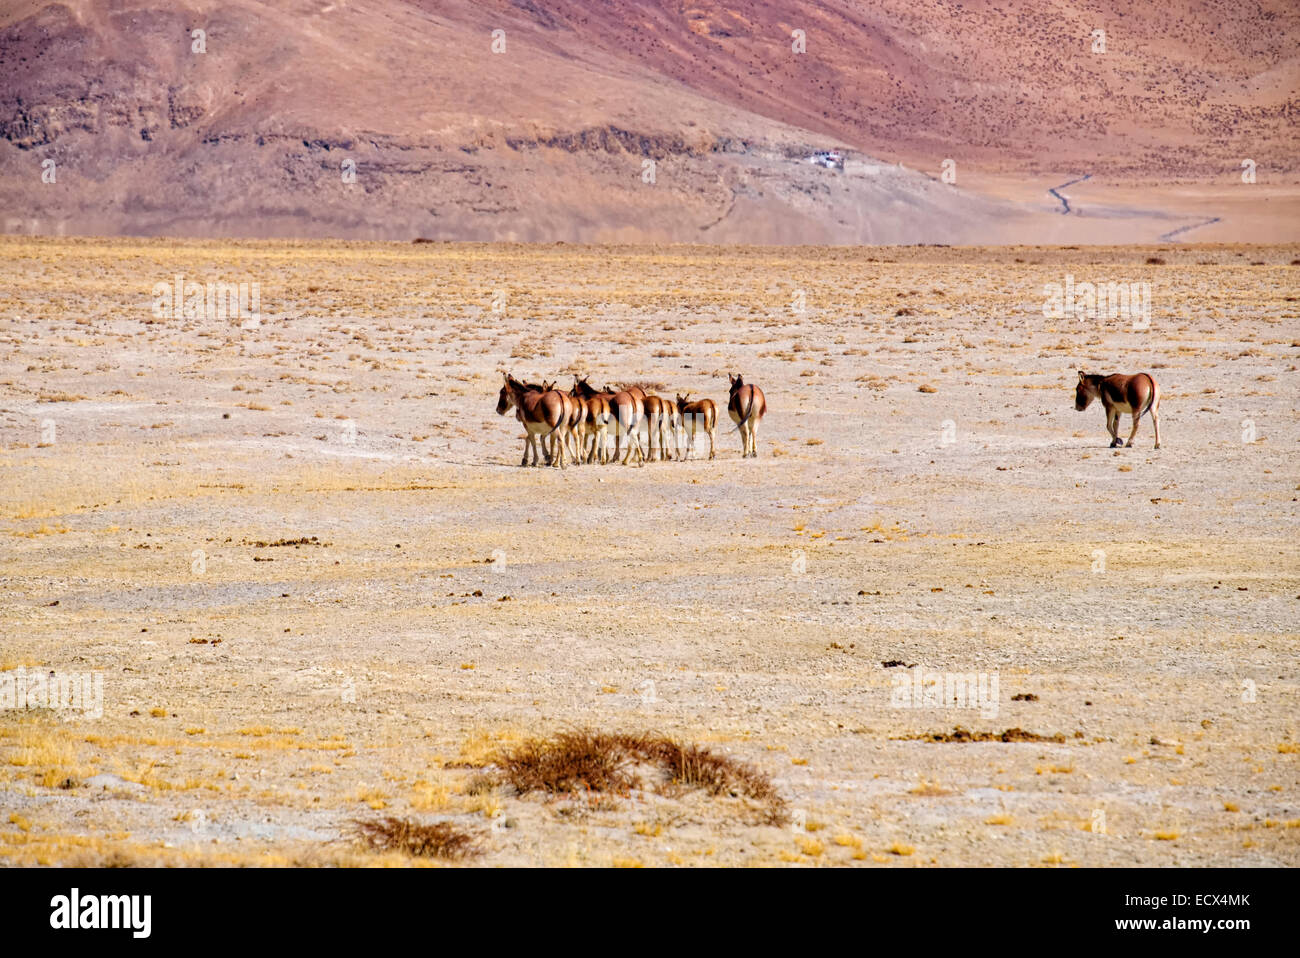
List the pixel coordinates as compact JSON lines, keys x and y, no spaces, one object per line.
{"x":578,"y":422}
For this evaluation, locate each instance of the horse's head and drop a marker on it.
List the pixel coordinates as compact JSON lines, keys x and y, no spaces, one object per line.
{"x":506,"y":398}
{"x":1086,"y":391}
{"x":736,"y":382}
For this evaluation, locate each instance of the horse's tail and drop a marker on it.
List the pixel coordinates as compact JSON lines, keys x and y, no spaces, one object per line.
{"x":749,"y":412}
{"x":1153,"y":400}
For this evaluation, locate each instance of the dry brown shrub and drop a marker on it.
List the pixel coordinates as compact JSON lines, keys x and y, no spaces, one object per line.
{"x":582,"y":760}
{"x":439,"y":840}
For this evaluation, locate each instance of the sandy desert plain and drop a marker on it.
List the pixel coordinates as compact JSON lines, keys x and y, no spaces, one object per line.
{"x":925,"y":496}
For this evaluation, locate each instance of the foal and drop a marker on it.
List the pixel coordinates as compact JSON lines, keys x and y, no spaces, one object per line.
{"x":1137,"y":394}
{"x":746,"y":405}
{"x":702,"y":413}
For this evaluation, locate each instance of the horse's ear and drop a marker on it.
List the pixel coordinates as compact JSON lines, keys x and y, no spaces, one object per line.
{"x":1082,"y":377}
{"x":505,"y":375}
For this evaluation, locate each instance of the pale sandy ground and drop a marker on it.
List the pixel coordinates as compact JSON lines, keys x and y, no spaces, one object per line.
{"x":747,"y":605}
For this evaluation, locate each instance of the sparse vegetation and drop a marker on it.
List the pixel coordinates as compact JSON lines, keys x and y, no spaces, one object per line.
{"x":581,"y":760}
{"x":656,"y":598}
{"x":436,"y":840}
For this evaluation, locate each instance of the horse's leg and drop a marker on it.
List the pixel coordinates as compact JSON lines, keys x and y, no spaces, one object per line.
{"x":1136,"y":417}
{"x":629,"y":430}
{"x":1155,"y":424}
{"x":1112,"y":427}
{"x":634,"y":444}
{"x":631,"y":441}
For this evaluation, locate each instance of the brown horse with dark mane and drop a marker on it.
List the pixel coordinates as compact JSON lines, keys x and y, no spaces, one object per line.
{"x":543,"y":411}
{"x":626,"y":409}
{"x":746,"y":405}
{"x":593,"y":424}
{"x":1137,"y":395}
{"x":693,"y":415}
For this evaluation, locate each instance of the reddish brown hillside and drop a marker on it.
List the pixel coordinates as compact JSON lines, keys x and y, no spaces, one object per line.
{"x":550,"y":136}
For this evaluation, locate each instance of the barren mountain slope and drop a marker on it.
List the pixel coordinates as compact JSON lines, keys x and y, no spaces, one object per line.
{"x":548,"y":136}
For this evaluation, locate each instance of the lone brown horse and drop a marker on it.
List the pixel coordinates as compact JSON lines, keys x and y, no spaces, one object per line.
{"x":1137,"y":395}
{"x":544,"y":412}
{"x":747,"y":405}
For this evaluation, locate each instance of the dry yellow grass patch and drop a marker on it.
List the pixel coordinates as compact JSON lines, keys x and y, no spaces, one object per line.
{"x":810,"y":846}
{"x":481,"y":744}
{"x":39,"y":746}
{"x":376,"y":798}
{"x":430,"y":796}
